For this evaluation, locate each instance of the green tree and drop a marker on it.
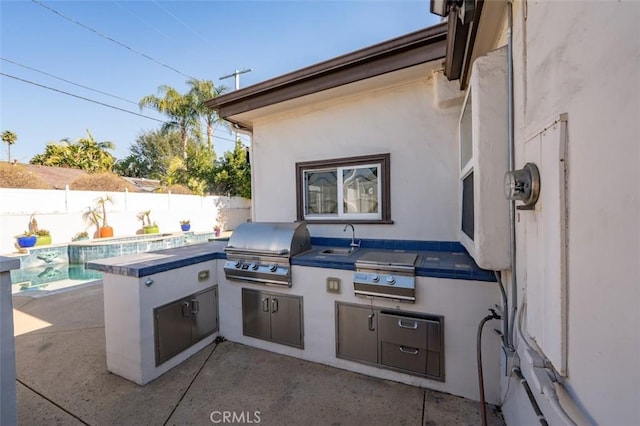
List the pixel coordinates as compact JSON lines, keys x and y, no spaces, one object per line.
{"x":202,"y":91}
{"x":150,"y":155}
{"x":233,"y":173}
{"x":86,"y":154}
{"x":180,"y":109}
{"x":9,"y":138}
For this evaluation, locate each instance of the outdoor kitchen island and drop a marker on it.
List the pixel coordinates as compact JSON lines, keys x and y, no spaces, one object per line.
{"x":451,"y":296}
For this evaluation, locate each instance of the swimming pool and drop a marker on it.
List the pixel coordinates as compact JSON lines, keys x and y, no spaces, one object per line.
{"x":48,"y":268}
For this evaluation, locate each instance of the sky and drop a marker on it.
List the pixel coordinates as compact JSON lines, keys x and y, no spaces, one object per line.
{"x":155,"y":43}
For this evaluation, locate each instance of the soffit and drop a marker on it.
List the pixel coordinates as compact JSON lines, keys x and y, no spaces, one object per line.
{"x":382,"y":82}
{"x":402,"y":52}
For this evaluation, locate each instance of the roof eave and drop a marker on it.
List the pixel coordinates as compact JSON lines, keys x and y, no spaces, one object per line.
{"x":409,"y":50}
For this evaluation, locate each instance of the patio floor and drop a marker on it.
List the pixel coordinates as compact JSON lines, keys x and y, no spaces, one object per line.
{"x":62,"y":379}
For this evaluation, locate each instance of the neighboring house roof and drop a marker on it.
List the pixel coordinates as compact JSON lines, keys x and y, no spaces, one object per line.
{"x":56,"y":177}
{"x":143,"y":184}
{"x":59,"y":177}
{"x":392,"y":55}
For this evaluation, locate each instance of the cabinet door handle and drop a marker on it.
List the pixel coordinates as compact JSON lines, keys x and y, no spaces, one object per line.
{"x":195,"y":306}
{"x":186,"y":309}
{"x":410,"y":351}
{"x":274,"y":305}
{"x":413,"y":326}
{"x":265,"y":304}
{"x":371,"y":321}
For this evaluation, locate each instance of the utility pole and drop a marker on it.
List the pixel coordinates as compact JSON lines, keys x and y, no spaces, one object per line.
{"x":236,"y":74}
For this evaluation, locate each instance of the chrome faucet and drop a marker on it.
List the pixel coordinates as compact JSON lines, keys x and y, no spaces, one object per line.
{"x":353,"y":244}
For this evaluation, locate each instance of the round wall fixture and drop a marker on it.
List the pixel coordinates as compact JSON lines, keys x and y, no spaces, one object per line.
{"x":523,"y":185}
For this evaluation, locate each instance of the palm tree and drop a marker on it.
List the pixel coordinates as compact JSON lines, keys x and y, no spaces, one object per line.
{"x":9,"y":138}
{"x":86,"y":154}
{"x":181,"y":110}
{"x":202,"y":91}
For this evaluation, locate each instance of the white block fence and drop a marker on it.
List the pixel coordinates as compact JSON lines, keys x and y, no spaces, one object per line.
{"x":60,"y":212}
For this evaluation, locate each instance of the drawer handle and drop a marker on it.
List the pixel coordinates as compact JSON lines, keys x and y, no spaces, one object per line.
{"x":410,"y":351}
{"x":413,"y":326}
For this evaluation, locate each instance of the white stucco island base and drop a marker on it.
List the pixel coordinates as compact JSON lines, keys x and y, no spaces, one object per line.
{"x":130,"y":337}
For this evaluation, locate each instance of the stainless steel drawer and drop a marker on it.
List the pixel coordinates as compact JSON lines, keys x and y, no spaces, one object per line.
{"x":401,"y":330}
{"x":404,"y":357}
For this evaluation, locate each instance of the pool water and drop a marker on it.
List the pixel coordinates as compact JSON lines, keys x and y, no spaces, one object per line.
{"x":51,"y":277}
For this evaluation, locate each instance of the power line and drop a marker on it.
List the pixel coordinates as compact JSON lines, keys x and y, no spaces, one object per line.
{"x":95,"y":102}
{"x":82,"y":97}
{"x":142,"y":20}
{"x":111,"y":39}
{"x":181,"y":21}
{"x":67,"y":81}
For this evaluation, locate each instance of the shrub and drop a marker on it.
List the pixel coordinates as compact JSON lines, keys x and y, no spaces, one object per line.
{"x":175,"y":189}
{"x":18,"y":176}
{"x":102,"y":182}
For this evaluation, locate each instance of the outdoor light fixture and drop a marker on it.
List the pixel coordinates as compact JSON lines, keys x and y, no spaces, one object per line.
{"x":465,"y":8}
{"x":441,"y":7}
{"x":523,"y":185}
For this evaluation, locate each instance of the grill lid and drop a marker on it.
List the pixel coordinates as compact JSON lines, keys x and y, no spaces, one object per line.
{"x":282,"y":239}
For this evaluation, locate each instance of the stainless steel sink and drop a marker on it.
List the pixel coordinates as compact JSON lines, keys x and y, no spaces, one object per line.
{"x":340,"y":251}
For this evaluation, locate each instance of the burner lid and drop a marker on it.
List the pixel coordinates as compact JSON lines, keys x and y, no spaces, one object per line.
{"x":388,"y":258}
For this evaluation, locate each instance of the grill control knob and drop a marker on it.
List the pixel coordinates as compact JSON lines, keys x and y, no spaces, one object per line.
{"x":273,"y":268}
{"x":254,"y":266}
{"x":237,"y":264}
{"x":391,"y":280}
{"x":375,"y":278}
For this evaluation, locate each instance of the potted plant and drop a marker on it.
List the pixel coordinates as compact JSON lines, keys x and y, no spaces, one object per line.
{"x":43,"y":237}
{"x":216,"y":231}
{"x":147,"y":226}
{"x":93,"y":216}
{"x":185,"y":225}
{"x":83,"y":235}
{"x":105,"y":230}
{"x":27,"y":239}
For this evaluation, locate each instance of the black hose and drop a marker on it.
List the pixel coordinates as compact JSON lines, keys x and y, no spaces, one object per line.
{"x":483,"y":408}
{"x":532,"y":399}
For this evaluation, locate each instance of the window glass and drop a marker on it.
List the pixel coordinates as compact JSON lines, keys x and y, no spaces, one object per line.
{"x":353,"y":189}
{"x":360,"y":190}
{"x":321,"y":192}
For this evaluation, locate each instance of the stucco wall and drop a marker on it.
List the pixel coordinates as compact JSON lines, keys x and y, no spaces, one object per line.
{"x":583,"y":59}
{"x":402,"y":120}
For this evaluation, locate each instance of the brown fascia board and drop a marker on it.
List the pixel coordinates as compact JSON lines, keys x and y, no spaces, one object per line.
{"x":456,"y":40}
{"x":469,"y":45}
{"x":402,"y":52}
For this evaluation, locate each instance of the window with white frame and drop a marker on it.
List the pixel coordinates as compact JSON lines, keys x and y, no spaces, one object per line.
{"x":347,"y":189}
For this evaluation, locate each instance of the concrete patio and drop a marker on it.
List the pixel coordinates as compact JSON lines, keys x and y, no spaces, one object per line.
{"x":62,"y":379}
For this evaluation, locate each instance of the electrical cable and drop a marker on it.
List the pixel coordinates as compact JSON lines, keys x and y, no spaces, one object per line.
{"x":96,"y":102}
{"x":67,"y":81}
{"x":39,"y":3}
{"x":82,"y":97}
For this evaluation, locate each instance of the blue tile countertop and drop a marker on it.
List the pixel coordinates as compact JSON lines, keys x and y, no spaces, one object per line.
{"x":439,"y":259}
{"x":153,"y":262}
{"x":436,"y":258}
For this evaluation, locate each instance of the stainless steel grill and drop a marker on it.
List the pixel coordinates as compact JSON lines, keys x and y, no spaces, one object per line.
{"x":387,"y":275}
{"x":261,"y":251}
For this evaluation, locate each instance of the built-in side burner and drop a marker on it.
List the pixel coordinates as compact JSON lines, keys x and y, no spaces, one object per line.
{"x":389,"y":275}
